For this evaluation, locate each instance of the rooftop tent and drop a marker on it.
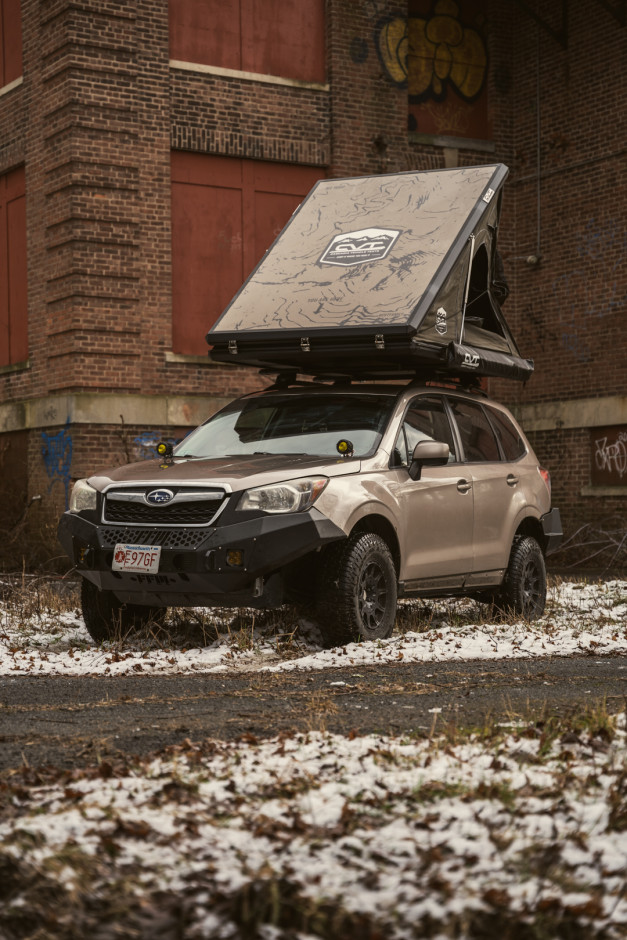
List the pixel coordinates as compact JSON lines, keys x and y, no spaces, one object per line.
{"x":380,"y":276}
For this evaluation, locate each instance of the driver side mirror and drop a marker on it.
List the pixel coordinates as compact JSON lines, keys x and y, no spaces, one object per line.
{"x":428,"y":454}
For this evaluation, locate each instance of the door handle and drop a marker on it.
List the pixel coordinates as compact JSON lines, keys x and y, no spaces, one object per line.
{"x":463,"y":486}
{"x":511,"y":479}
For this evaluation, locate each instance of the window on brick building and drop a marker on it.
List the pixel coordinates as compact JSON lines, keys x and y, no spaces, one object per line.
{"x":10,"y":41}
{"x":269,"y":37}
{"x":13,"y":311}
{"x":225,"y":213}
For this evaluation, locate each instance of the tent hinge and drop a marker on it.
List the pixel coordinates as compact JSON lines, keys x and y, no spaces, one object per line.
{"x":379,"y":341}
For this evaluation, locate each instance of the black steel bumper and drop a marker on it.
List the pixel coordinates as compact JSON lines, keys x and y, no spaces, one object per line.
{"x":200,"y":575}
{"x":552,"y":528}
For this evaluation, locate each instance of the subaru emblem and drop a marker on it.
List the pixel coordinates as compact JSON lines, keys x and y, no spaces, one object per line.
{"x":159,"y":497}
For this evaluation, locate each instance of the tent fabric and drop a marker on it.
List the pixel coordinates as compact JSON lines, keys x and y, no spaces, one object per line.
{"x":380,"y":274}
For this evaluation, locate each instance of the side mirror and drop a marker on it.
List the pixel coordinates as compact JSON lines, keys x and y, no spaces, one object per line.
{"x":428,"y":454}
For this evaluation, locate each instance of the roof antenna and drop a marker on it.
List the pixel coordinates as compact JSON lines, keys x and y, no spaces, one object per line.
{"x":466,"y":292}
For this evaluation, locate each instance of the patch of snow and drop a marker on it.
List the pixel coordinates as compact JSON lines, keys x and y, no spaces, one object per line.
{"x":580,"y":619}
{"x":393,"y":828}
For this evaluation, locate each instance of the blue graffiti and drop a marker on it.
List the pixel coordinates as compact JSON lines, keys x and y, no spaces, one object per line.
{"x":146,"y":444}
{"x":56,"y":451}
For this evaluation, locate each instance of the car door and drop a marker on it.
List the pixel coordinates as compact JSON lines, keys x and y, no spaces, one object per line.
{"x":436,"y":511}
{"x":498,"y":496}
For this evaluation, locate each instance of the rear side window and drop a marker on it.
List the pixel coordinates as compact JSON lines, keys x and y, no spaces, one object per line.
{"x":426,"y":420}
{"x":477,"y":437}
{"x":510,"y":440}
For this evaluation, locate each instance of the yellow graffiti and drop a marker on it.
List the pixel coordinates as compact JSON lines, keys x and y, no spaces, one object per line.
{"x":393,"y":49}
{"x":428,"y":53}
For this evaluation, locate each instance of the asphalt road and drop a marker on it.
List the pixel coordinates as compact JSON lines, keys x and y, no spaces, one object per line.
{"x":66,"y":722}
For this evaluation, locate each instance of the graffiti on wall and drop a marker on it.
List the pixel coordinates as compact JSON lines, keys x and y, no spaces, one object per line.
{"x":145,"y":444}
{"x":440,"y":54}
{"x":56,"y":450}
{"x":609,"y":456}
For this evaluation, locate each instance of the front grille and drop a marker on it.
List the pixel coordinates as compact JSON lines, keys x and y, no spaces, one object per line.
{"x":181,"y":514}
{"x":167,"y":538}
{"x":189,"y":506}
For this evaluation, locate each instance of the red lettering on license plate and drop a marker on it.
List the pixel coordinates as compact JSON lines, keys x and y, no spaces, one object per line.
{"x":138,"y":558}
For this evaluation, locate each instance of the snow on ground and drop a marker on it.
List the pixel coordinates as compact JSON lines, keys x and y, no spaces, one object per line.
{"x":520,"y":831}
{"x":318,"y":835}
{"x":580,"y":618}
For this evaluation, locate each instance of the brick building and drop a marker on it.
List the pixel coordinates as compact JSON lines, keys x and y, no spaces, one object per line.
{"x":150,"y":152}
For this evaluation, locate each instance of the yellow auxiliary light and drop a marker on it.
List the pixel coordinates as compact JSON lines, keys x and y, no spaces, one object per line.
{"x":344,"y":448}
{"x":164,"y":449}
{"x":235,"y":558}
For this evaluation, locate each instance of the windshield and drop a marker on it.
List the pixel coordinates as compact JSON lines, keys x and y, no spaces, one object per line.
{"x":310,"y":425}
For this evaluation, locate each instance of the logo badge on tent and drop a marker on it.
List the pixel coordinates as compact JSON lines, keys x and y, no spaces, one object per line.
{"x":440,"y":321}
{"x":471,"y":360}
{"x":369,"y":244}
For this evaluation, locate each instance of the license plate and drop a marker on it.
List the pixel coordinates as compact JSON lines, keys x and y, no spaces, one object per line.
{"x":144,"y":558}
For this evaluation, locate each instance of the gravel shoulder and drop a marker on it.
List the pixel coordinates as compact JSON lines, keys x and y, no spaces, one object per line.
{"x":78,"y":721}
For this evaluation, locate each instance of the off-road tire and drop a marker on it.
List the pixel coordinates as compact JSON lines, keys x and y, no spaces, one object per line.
{"x":356,"y":592}
{"x":524,"y":588}
{"x":107,"y":618}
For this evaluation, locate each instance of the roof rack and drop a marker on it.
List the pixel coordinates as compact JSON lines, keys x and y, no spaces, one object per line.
{"x":288,"y":377}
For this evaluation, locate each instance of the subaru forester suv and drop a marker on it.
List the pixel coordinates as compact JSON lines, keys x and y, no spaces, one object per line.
{"x":343,"y":497}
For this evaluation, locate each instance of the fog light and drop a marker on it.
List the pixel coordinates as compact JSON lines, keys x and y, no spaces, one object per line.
{"x":235,"y":558}
{"x":85,"y":556}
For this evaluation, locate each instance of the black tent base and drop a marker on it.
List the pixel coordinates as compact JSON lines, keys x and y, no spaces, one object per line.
{"x":375,"y":357}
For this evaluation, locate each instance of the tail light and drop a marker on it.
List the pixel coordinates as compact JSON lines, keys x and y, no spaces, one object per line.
{"x":546,"y":476}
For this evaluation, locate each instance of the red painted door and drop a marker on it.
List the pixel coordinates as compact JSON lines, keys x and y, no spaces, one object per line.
{"x":225,"y":213}
{"x":269,"y":37}
{"x":207,"y":32}
{"x":10,"y":41}
{"x":13,"y":278}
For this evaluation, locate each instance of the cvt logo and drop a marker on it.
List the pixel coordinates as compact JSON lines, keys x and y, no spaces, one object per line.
{"x":369,"y":244}
{"x":471,"y":360}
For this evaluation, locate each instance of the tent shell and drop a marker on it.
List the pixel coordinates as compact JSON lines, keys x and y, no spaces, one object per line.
{"x":380,"y":277}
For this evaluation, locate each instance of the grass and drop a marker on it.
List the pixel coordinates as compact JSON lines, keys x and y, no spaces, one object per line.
{"x":71,"y":894}
{"x":27,"y":597}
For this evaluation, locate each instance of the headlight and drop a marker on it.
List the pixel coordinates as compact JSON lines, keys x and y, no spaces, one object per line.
{"x":83,"y":497}
{"x":294,"y":496}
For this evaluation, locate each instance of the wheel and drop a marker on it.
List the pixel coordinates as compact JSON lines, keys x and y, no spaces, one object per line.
{"x":106,"y":617}
{"x":524,"y":587}
{"x":357,"y":590}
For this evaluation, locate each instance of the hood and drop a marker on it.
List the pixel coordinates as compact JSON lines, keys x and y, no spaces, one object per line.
{"x":376,"y":274}
{"x":233,"y":473}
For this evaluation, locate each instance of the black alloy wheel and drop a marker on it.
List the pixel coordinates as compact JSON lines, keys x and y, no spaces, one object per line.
{"x":524,"y":587}
{"x":372,"y":596}
{"x":357,"y":590}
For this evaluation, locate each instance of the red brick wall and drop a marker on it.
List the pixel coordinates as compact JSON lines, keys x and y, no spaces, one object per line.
{"x":99,"y":112}
{"x":565,"y":310}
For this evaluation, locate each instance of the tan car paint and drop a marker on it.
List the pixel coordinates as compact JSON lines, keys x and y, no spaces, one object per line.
{"x":233,"y":474}
{"x":437,"y":522}
{"x":437,"y":519}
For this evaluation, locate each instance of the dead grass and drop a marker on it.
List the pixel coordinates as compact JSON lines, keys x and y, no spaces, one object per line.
{"x":72,"y":895}
{"x":34,"y":596}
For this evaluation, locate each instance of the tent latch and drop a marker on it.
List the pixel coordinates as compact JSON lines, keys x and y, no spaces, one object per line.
{"x":305,"y":345}
{"x":379,"y":341}
{"x":233,"y":347}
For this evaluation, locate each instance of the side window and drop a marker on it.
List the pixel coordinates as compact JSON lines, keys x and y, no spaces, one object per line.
{"x":510,"y":440}
{"x":426,"y":420}
{"x":478,"y":440}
